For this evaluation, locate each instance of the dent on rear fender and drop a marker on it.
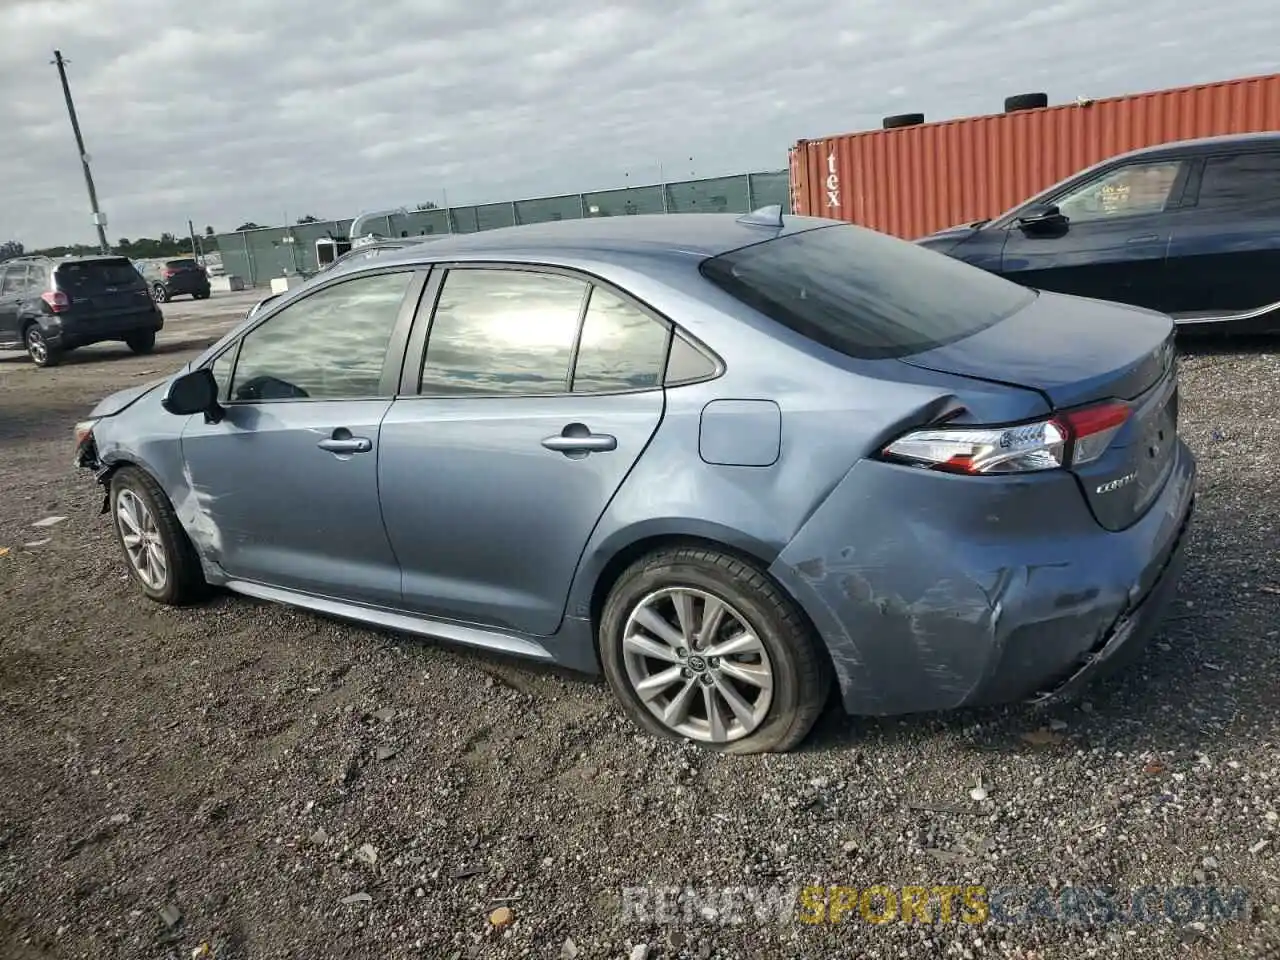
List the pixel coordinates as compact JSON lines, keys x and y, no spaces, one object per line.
{"x":887,"y":632}
{"x":922,"y":600}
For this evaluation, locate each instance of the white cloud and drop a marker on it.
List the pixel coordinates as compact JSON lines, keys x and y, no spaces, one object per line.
{"x":241,"y":110}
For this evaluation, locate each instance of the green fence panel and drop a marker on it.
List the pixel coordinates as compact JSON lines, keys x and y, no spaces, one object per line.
{"x":718,"y":195}
{"x":463,"y":220}
{"x":418,"y":223}
{"x":257,"y":256}
{"x":546,"y":209}
{"x":769,"y":188}
{"x":493,"y":216}
{"x":624,"y":202}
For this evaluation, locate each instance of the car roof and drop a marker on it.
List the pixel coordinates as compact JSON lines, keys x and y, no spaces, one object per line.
{"x":1264,"y":139}
{"x":699,"y":235}
{"x":91,"y":258}
{"x":42,"y":258}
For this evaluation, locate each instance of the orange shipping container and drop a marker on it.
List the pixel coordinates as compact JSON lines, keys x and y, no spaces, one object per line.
{"x":914,"y":180}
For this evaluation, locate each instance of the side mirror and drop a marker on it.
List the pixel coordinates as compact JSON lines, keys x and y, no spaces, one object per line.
{"x":194,"y":392}
{"x":1044,"y":218}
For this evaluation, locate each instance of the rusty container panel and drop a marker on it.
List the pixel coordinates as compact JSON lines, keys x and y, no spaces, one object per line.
{"x":914,"y":180}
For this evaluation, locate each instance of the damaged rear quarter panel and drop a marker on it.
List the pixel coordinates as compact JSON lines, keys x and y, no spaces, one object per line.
{"x":934,"y":591}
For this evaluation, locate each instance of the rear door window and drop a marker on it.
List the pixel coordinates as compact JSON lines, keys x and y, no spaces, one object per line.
{"x":863,"y":293}
{"x":1247,"y":183}
{"x":13,"y":280}
{"x":96,"y":276}
{"x":502,"y":332}
{"x":620,"y":348}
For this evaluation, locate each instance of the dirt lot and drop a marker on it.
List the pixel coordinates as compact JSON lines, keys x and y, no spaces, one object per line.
{"x":204,"y":782}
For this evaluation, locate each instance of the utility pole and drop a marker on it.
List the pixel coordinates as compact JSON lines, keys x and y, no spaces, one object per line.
{"x":99,"y":220}
{"x":195,"y":250}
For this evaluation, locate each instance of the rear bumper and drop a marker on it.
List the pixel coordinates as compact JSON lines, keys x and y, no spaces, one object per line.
{"x":1130,"y":634}
{"x":75,"y":331}
{"x":933,"y":592}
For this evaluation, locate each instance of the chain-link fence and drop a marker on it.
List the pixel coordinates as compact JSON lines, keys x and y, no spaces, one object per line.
{"x":258,"y":256}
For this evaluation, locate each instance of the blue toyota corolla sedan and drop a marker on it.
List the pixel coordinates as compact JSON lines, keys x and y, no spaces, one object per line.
{"x":729,"y":461}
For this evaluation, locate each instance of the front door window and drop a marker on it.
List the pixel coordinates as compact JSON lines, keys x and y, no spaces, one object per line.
{"x":1140,"y":188}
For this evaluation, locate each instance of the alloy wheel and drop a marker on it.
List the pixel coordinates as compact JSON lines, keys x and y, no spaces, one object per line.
{"x":697,"y":664}
{"x":36,"y":346}
{"x":142,"y":541}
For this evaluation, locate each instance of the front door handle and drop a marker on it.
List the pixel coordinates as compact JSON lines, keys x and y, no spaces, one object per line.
{"x":576,"y":438}
{"x":342,"y":441}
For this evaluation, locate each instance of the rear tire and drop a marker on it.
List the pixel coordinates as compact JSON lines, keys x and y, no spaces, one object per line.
{"x":773,"y":648}
{"x":143,"y":342}
{"x":42,"y":354}
{"x":160,"y":557}
{"x":159,"y":294}
{"x":201,"y":296}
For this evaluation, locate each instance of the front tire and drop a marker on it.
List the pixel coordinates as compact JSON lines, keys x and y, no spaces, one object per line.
{"x":160,"y":557}
{"x":39,"y":350}
{"x":143,"y":342}
{"x":701,"y":645}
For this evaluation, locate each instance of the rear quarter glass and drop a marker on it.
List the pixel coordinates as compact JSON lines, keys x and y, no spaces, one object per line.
{"x":863,"y":293}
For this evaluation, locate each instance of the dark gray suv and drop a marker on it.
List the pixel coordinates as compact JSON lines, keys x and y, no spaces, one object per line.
{"x":51,"y":305}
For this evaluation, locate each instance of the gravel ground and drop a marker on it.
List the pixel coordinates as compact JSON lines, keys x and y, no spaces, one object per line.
{"x":217,"y":781}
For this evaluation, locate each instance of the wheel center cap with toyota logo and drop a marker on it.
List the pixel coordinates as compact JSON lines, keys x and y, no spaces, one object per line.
{"x":697,"y":664}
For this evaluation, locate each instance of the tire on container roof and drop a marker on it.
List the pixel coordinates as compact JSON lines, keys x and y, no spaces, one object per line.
{"x":1025,"y":101}
{"x":903,"y":120}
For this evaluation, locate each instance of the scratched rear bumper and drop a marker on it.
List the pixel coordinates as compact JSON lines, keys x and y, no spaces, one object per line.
{"x":934,"y":591}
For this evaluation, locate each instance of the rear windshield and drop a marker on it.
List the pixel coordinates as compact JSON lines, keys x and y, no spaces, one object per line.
{"x":182,"y":265}
{"x":863,"y":293}
{"x":95,"y":275}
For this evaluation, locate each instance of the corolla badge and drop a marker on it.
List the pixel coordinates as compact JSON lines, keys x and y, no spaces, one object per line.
{"x":1113,"y":485}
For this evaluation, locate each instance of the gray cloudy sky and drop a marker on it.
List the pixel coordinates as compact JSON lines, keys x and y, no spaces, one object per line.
{"x":247,"y":109}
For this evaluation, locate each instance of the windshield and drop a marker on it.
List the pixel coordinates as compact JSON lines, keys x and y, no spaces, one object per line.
{"x":863,"y":293}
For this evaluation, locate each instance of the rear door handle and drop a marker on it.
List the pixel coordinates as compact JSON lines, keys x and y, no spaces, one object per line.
{"x":1146,"y":238}
{"x":342,"y":441}
{"x":576,"y":438}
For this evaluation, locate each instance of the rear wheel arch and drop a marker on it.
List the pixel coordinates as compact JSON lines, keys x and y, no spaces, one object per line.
{"x":747,"y":549}
{"x":789,"y":649}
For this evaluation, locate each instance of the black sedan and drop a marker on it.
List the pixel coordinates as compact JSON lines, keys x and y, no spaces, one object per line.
{"x":1191,"y":229}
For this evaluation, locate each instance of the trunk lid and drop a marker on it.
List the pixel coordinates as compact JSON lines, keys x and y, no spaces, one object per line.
{"x":1072,"y":350}
{"x":103,"y":288}
{"x":1077,"y":352}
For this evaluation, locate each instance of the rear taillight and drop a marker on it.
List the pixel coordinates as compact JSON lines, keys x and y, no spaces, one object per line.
{"x":56,"y":301}
{"x":169,"y":273}
{"x":1067,"y":439}
{"x":1092,"y":429}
